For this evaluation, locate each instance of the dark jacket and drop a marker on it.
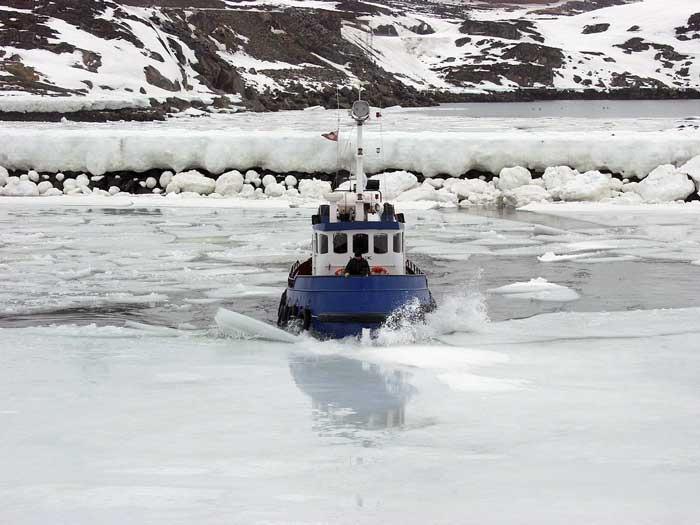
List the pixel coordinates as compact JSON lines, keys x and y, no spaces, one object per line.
{"x":359,"y":267}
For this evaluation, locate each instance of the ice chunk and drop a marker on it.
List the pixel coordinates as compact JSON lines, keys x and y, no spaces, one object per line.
{"x":44,"y":186}
{"x":467,"y":187}
{"x":556,"y":177}
{"x":467,"y":382}
{"x":33,"y":176}
{"x":290,"y":181}
{"x":538,"y":290}
{"x":247,"y":190}
{"x":524,"y":195}
{"x":82,"y":180}
{"x":165,"y":179}
{"x":191,"y":182}
{"x":511,"y":178}
{"x":690,"y":168}
{"x":274,"y":190}
{"x":589,"y":186}
{"x":235,"y":324}
{"x":394,"y":183}
{"x":566,"y":184}
{"x":436,"y":182}
{"x":314,"y":188}
{"x":4,"y":175}
{"x":552,"y":257}
{"x":665,"y":183}
{"x":426,"y":192}
{"x":230,"y":183}
{"x":113,"y":190}
{"x":21,"y":188}
{"x":151,"y":183}
{"x":267,"y":180}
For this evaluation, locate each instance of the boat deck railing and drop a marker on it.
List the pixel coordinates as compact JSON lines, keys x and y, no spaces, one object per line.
{"x":412,"y":269}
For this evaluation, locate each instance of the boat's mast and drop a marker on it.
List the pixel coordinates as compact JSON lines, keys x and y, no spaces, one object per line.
{"x":360,"y":113}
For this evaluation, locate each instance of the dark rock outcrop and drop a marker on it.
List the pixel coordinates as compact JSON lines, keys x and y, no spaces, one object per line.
{"x":691,"y":29}
{"x":386,"y":30}
{"x":510,"y":30}
{"x":422,"y":29}
{"x":595,"y":28}
{"x":156,"y":78}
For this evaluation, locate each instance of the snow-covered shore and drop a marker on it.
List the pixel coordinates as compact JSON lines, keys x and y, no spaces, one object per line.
{"x":434,"y":153}
{"x":438,"y":142}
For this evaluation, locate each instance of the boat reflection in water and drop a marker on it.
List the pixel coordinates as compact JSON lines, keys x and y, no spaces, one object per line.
{"x":347,"y":393}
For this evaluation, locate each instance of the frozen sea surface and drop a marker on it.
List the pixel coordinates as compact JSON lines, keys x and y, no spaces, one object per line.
{"x":121,"y":402}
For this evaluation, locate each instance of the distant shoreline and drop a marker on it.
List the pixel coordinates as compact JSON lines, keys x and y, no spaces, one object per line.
{"x":159,"y":109}
{"x":536,"y":95}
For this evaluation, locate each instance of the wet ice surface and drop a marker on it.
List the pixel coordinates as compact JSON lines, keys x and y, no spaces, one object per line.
{"x":501,"y":410}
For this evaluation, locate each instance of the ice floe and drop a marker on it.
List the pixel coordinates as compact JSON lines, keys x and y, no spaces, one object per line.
{"x":538,"y":289}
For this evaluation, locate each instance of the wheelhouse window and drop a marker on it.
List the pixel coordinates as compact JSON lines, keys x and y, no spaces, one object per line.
{"x":381,"y":243}
{"x":323,"y":243}
{"x":398,"y":242}
{"x":314,"y":243}
{"x":340,"y":243}
{"x":360,"y":243}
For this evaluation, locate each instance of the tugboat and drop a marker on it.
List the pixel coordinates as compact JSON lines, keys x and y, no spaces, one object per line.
{"x":320,"y":296}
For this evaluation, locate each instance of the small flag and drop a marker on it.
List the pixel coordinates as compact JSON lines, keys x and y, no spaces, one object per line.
{"x":332,"y":135}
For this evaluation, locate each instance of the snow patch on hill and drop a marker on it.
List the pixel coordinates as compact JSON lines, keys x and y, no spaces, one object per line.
{"x":289,"y":50}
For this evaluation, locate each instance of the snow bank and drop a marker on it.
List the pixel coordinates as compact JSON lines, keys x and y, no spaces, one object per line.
{"x":72,"y":104}
{"x":98,"y":150}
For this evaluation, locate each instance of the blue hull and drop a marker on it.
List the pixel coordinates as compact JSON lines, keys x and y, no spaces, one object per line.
{"x":336,"y":307}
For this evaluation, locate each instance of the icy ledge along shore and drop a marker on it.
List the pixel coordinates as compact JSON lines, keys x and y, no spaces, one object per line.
{"x":514,"y":187}
{"x":101,"y":150}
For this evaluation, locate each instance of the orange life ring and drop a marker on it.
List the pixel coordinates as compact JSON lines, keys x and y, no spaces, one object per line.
{"x":379,"y":270}
{"x":339,"y":272}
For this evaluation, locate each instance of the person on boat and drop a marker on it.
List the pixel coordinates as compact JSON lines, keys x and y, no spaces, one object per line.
{"x":357,"y":266}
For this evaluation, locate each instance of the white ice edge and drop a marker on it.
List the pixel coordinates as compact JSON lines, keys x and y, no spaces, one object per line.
{"x":137,"y":201}
{"x":101,"y":150}
{"x":617,"y":208}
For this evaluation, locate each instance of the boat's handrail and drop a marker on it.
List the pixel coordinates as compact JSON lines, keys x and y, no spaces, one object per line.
{"x":412,"y":269}
{"x":294,"y":269}
{"x":293,"y":274}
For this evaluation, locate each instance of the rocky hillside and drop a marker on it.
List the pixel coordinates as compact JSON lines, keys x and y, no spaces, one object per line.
{"x":278,"y":54}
